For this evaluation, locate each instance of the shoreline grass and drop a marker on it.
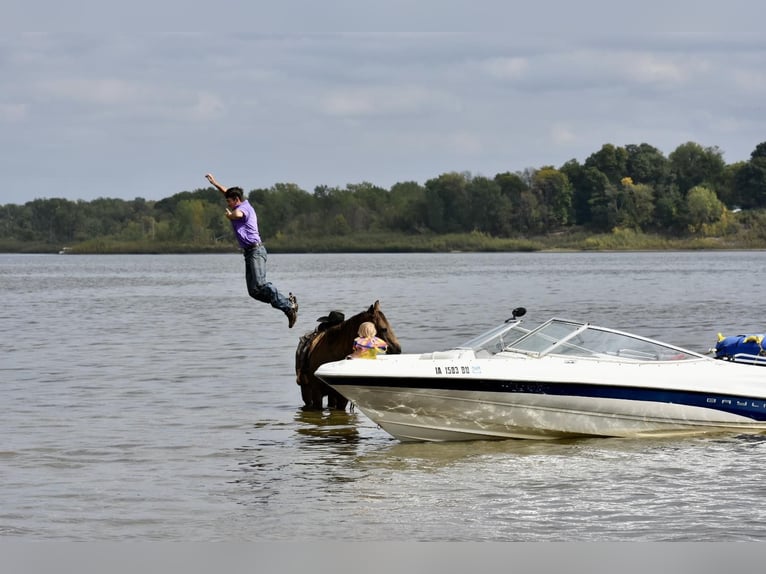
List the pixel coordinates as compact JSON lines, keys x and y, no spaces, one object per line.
{"x":617,"y":240}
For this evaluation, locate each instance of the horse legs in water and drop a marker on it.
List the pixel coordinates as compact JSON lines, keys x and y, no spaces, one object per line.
{"x":335,"y":400}
{"x":313,"y":393}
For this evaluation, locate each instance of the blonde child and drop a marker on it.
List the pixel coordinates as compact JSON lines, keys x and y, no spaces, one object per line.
{"x":367,"y":345}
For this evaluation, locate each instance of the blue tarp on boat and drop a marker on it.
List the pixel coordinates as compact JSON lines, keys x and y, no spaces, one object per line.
{"x":749,"y":349}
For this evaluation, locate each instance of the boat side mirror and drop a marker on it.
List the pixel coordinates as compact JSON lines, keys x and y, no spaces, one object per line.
{"x":517,"y":312}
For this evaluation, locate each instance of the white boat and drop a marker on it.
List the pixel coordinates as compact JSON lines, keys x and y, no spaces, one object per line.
{"x":561,"y":379}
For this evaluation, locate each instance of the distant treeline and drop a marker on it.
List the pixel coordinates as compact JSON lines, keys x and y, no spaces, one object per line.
{"x":631,"y":191}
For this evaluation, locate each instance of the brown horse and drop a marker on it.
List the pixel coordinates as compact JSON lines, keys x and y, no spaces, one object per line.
{"x":333,"y":344}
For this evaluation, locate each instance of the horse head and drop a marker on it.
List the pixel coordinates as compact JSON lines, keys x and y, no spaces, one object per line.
{"x":384,"y":329}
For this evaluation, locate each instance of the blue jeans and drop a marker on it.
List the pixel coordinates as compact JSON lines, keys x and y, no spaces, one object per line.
{"x":255,"y":277}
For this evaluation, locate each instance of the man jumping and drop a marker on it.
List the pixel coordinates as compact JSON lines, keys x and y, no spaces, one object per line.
{"x":244,"y":221}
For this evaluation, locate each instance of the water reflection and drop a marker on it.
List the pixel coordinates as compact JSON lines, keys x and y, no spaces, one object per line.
{"x":437,"y":456}
{"x":327,"y":426}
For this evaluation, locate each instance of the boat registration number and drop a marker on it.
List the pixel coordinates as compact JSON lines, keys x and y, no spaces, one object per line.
{"x":453,"y":370}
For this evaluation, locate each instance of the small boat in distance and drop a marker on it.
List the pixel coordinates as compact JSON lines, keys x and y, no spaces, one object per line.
{"x":562,"y":379}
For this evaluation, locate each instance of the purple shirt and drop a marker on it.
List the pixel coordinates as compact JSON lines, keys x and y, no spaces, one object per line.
{"x":246,"y":228}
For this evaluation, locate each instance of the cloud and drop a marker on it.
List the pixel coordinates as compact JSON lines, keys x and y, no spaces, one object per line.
{"x":107,"y":92}
{"x":506,"y":68}
{"x":12,"y":112}
{"x":562,"y":135}
{"x":464,"y":143}
{"x":654,"y":69}
{"x":385,"y":100}
{"x":117,"y":97}
{"x":207,"y":107}
{"x":327,"y":107}
{"x":752,"y":81}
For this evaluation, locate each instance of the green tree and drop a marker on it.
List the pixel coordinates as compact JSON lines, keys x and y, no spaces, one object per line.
{"x":511,"y":186}
{"x":587,"y":183}
{"x":692,"y":165}
{"x":750,"y":179}
{"x":703,"y":207}
{"x":16,"y":223}
{"x":530,"y":216}
{"x":370,"y":202}
{"x":554,"y":193}
{"x":512,"y":217}
{"x":406,"y":210}
{"x":604,"y":206}
{"x":610,"y":160}
{"x":189,"y":224}
{"x":54,"y":220}
{"x":646,"y":164}
{"x":759,"y":152}
{"x":669,"y":206}
{"x":449,"y":208}
{"x":283,"y":208}
{"x":635,"y":205}
{"x":339,"y":226}
{"x":728,"y":191}
{"x":435,"y":210}
{"x":489,"y":208}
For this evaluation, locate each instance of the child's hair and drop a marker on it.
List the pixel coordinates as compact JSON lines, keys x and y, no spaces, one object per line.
{"x":367,"y":329}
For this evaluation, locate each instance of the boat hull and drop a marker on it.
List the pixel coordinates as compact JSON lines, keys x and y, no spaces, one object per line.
{"x":488,"y":403}
{"x":466,"y":415}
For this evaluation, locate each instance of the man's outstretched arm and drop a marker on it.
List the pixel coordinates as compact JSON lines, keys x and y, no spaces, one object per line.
{"x":215,"y":184}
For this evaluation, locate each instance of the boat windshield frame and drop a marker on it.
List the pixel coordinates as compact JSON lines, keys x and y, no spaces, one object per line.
{"x":576,"y":339}
{"x":496,"y":339}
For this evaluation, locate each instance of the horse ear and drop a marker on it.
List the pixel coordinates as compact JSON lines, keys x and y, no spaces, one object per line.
{"x":377,"y":305}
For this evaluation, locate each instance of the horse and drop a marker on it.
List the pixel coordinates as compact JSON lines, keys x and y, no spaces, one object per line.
{"x":333,"y":344}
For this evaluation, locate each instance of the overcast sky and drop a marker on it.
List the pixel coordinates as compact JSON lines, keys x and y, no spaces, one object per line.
{"x":143,"y":100}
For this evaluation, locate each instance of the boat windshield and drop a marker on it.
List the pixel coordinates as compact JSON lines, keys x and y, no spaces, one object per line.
{"x":497,"y":339}
{"x":560,"y":337}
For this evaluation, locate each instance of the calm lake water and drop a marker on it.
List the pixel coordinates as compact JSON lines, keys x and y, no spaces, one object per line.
{"x":148,"y":398}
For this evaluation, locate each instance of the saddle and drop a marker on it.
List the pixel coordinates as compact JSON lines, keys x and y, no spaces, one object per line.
{"x":306,"y":344}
